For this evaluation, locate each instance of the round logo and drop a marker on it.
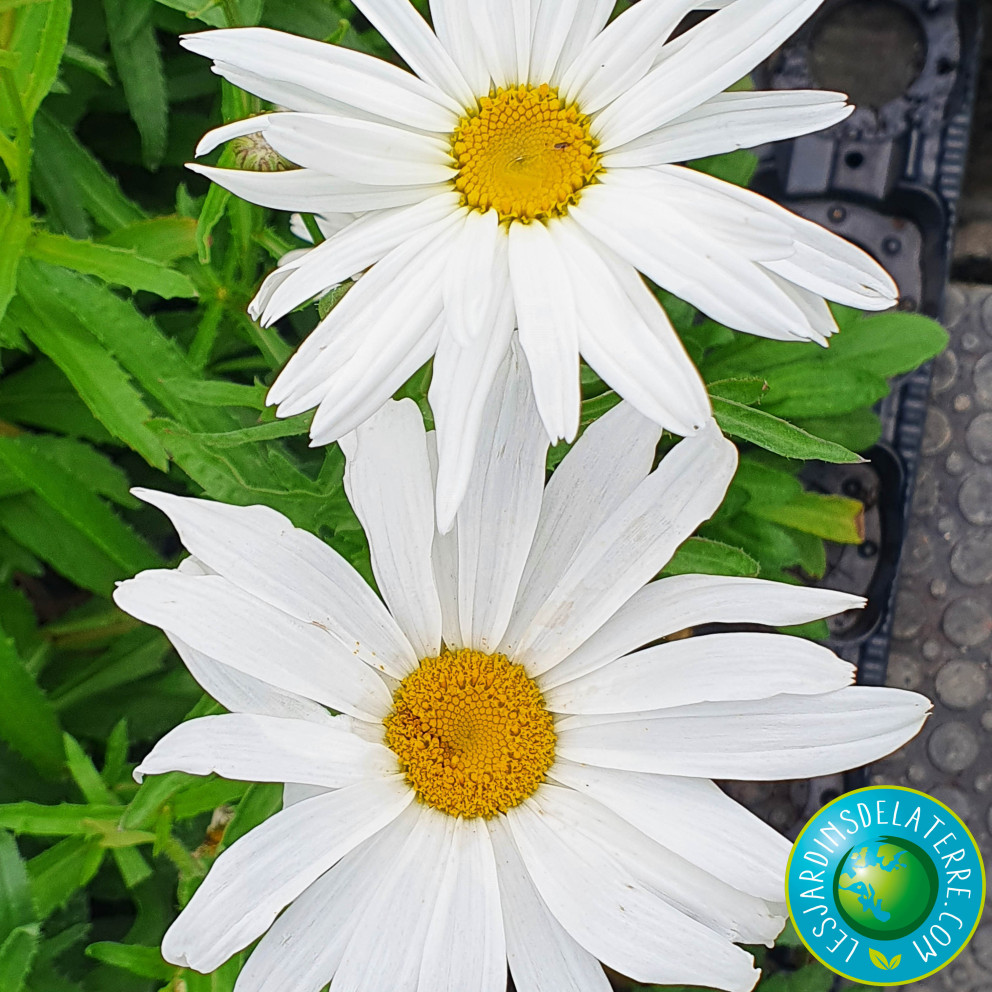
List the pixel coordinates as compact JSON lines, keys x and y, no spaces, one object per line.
{"x":885,"y":885}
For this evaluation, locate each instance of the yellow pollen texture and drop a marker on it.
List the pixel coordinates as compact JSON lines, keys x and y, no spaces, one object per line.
{"x":524,"y":153}
{"x":471,"y":732}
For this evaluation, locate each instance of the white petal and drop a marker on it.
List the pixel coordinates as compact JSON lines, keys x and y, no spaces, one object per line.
{"x":329,"y":75}
{"x":387,"y":943}
{"x":683,"y":254}
{"x":241,"y":693}
{"x":583,"y":822}
{"x":464,"y":947}
{"x":359,"y":245}
{"x":556,"y":20}
{"x":542,"y":955}
{"x":627,"y":338}
{"x":498,"y":516}
{"x":266,"y":869}
{"x":700,"y":669}
{"x":629,"y":548}
{"x":766,"y":739}
{"x":444,"y":556}
{"x":730,"y":121}
{"x":462,"y":381}
{"x":693,"y":818}
{"x":214,"y":616}
{"x":607,"y":463}
{"x":313,"y":192}
{"x":398,"y":520}
{"x":820,"y":262}
{"x":707,"y":60}
{"x":589,"y":20}
{"x":681,"y":601}
{"x":400,"y":24}
{"x":622,"y":54}
{"x":493,"y":21}
{"x":260,"y":551}
{"x":304,"y":946}
{"x":475,"y":280}
{"x":453,"y":25}
{"x":382,"y":320}
{"x":269,"y":749}
{"x":349,"y":401}
{"x":360,"y":151}
{"x":547,"y":319}
{"x":599,"y":898}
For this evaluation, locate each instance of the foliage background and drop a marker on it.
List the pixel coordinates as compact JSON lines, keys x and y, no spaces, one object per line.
{"x":126,"y":358}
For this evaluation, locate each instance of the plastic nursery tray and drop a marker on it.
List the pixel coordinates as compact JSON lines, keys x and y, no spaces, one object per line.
{"x":889,"y":179}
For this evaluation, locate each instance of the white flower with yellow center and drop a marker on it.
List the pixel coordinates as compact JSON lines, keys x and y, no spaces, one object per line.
{"x":522,"y":178}
{"x":512,"y":776}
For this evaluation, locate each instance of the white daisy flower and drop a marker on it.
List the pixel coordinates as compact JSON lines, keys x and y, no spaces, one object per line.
{"x":512,"y":776}
{"x":522,"y":178}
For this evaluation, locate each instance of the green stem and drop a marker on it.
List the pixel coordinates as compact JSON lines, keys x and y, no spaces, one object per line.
{"x":310,"y":222}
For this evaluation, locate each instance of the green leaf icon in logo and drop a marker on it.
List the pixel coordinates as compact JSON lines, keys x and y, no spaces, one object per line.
{"x":879,"y":960}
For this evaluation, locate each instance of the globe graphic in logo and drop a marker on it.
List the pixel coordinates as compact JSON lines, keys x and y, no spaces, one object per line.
{"x":886,"y":887}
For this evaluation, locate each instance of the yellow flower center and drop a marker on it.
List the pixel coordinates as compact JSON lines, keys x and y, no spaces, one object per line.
{"x":525,"y":153}
{"x":471,"y":732}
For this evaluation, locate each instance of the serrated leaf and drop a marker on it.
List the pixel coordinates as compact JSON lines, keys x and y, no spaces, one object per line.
{"x":117,"y":266}
{"x":704,"y":556}
{"x":101,"y":383}
{"x":777,"y":435}
{"x":17,"y":952}
{"x":39,"y":36}
{"x":15,"y":888}
{"x":85,"y":775}
{"x":27,"y":719}
{"x":77,"y":507}
{"x":215,"y":392}
{"x":144,"y":961}
{"x":74,"y":185}
{"x":139,"y":67}
{"x":91,"y":467}
{"x":857,"y":430}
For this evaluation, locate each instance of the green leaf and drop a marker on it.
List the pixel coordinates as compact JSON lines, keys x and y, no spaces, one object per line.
{"x":118,"y":266}
{"x":15,"y":888}
{"x":203,"y":10}
{"x":889,"y":343}
{"x":216,"y":392}
{"x":162,"y":239}
{"x":57,"y":873}
{"x":708,"y":557}
{"x":40,"y":395}
{"x":14,"y":231}
{"x":878,"y":959}
{"x":78,"y":507}
{"x":777,"y":435}
{"x":747,"y":390}
{"x":16,"y":954}
{"x":32,"y":523}
{"x":65,"y":819}
{"x":89,"y":466}
{"x":734,"y":167}
{"x":833,"y":518}
{"x":85,"y":775}
{"x":27,"y":720}
{"x":144,"y":961}
{"x":74,"y":185}
{"x":858,"y":430}
{"x":139,"y":66}
{"x":82,"y":59}
{"x":39,"y":37}
{"x":810,"y":390}
{"x":261,"y":801}
{"x":101,"y":383}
